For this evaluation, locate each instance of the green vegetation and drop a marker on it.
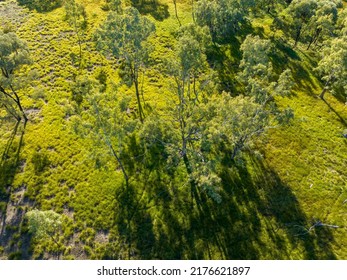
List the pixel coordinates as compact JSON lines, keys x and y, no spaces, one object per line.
{"x":173,"y":129}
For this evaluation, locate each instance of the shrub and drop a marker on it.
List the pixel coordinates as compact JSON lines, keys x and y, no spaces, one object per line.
{"x":41,"y":5}
{"x":40,"y":161}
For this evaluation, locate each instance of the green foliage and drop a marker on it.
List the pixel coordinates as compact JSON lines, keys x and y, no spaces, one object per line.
{"x":333,"y":66}
{"x":224,"y":18}
{"x":257,"y":72}
{"x":44,"y":224}
{"x":40,"y":161}
{"x":15,"y":256}
{"x":238,"y":121}
{"x":14,"y":54}
{"x":80,"y":88}
{"x":309,"y":21}
{"x":113,"y":5}
{"x":41,"y":5}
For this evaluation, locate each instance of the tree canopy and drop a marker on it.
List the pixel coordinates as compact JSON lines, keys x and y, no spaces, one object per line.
{"x":14,"y":55}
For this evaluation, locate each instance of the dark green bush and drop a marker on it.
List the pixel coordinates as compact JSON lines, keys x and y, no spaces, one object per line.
{"x":40,"y":161}
{"x":41,"y":5}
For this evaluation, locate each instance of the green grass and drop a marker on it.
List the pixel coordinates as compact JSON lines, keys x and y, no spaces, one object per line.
{"x":266,"y":203}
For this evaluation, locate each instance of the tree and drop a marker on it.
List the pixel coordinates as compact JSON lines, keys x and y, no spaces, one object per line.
{"x":114,"y":5}
{"x":257,"y":72}
{"x":14,"y":55}
{"x":124,"y":36}
{"x":44,"y":224}
{"x":236,"y":122}
{"x":224,"y":18}
{"x":77,"y":17}
{"x":332,"y":68}
{"x":322,"y":24}
{"x":297,"y":16}
{"x":191,"y":75}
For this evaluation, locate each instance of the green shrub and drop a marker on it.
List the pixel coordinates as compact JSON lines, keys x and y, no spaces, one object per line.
{"x":15,"y":256}
{"x":40,"y":162}
{"x":41,"y":5}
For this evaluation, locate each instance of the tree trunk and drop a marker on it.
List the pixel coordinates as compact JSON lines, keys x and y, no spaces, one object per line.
{"x":126,"y":177}
{"x":314,"y":38}
{"x":193,"y":188}
{"x":136,"y":82}
{"x":193,"y":11}
{"x":175,"y":4}
{"x":321,"y":96}
{"x":17,"y":100}
{"x":298,"y":34}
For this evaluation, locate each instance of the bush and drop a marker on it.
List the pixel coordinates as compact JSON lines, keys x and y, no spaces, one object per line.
{"x":15,"y":256}
{"x":40,"y":161}
{"x":41,"y":5}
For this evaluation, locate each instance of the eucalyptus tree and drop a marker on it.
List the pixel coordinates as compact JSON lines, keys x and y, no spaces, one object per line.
{"x":185,"y":67}
{"x":192,"y":79}
{"x":224,"y":17}
{"x":14,"y":56}
{"x":125,"y":37}
{"x":257,"y":74}
{"x":235,"y":122}
{"x":332,"y":67}
{"x":322,"y":25}
{"x":260,"y":80}
{"x":300,"y":13}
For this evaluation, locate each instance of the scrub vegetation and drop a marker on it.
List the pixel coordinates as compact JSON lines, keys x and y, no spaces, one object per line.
{"x":159,"y":129}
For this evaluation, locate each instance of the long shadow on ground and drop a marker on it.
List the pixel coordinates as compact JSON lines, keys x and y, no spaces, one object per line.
{"x":11,"y":213}
{"x":259,"y":218}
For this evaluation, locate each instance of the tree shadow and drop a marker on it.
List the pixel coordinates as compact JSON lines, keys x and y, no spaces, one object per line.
{"x":341,"y":119}
{"x":156,"y":9}
{"x":286,"y":57}
{"x":259,"y":217}
{"x":281,"y":204}
{"x":16,"y":245}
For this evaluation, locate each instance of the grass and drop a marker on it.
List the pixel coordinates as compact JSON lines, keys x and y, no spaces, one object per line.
{"x":267,"y":204}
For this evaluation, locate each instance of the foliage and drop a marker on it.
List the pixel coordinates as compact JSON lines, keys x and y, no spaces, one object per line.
{"x":41,"y":5}
{"x":14,"y":55}
{"x":44,"y":224}
{"x":309,"y":21}
{"x":238,"y":121}
{"x":224,"y":18}
{"x":333,"y":66}
{"x":257,"y":72}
